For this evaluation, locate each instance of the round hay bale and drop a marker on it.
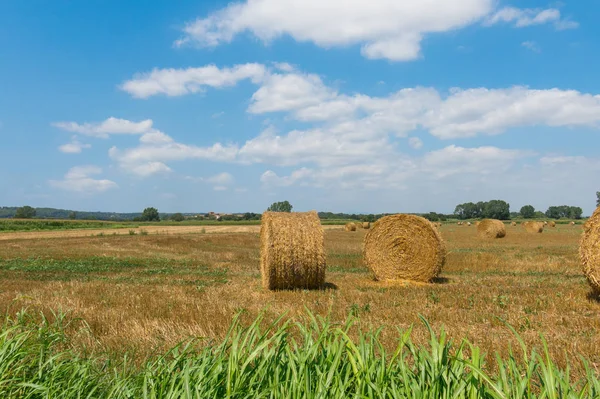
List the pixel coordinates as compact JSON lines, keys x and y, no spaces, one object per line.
{"x":533,"y":227}
{"x":553,"y":224}
{"x":491,"y":228}
{"x":366,"y":225}
{"x":589,"y":251}
{"x":292,"y":250}
{"x":469,"y":224}
{"x":477,"y":223}
{"x":545,"y":223}
{"x":350,"y":226}
{"x":513,"y":224}
{"x":404,"y":247}
{"x":572,"y":223}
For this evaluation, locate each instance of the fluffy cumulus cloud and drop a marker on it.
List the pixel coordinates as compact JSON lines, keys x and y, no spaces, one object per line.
{"x":389,"y":29}
{"x":385,"y":28}
{"x":74,"y":147}
{"x":106,"y":128}
{"x":176,"y":82}
{"x":457,"y":114}
{"x":350,"y":140}
{"x":78,"y":179}
{"x":156,"y":148}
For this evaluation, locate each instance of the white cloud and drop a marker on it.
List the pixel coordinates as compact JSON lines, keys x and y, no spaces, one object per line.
{"x":530,"y":16}
{"x":78,"y":179}
{"x":289,"y":92}
{"x":219,"y":188}
{"x":107,"y":127}
{"x":74,"y":147}
{"x":454,"y":160}
{"x":271,"y":178}
{"x":388,"y":29}
{"x":148,"y":169}
{"x":163,"y":148}
{"x":467,"y":113}
{"x":415,"y":142}
{"x":531,"y":45}
{"x":177,"y":82}
{"x":221,"y":179}
{"x":462,"y":113}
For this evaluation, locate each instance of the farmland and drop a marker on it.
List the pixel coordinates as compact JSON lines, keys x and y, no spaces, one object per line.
{"x":141,"y":294}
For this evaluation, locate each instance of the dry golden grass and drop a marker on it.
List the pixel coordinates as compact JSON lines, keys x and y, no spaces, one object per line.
{"x":145,"y":293}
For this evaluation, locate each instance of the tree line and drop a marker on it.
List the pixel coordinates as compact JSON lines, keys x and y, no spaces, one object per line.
{"x":499,"y":209}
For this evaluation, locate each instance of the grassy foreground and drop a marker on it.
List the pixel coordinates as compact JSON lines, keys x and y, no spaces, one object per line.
{"x":311,"y":359}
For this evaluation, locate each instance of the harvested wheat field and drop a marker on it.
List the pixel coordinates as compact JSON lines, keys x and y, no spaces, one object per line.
{"x":145,"y":293}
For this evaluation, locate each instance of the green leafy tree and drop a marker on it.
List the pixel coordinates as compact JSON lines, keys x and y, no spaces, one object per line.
{"x":178,"y":217}
{"x":575,"y":212}
{"x":497,"y":209}
{"x":527,"y":212}
{"x":564,"y":211}
{"x":283,"y":206}
{"x":150,"y":215}
{"x":73,"y":215}
{"x":597,"y":198}
{"x":25,"y":212}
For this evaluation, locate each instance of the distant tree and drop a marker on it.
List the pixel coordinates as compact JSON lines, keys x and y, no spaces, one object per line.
{"x":575,"y":212}
{"x":597,"y":198}
{"x":73,"y":215}
{"x":284,"y":206}
{"x":564,"y":211}
{"x":25,"y":212}
{"x":497,"y":209}
{"x":178,"y":217}
{"x":527,"y":212}
{"x":150,"y":215}
{"x":553,"y":212}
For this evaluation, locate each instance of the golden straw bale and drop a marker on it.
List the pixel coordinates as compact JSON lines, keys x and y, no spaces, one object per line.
{"x":534,"y":227}
{"x":292,"y":250}
{"x":589,"y":251}
{"x":572,"y":223}
{"x":553,"y":224}
{"x":404,"y":247}
{"x":366,"y":225}
{"x":513,"y":224}
{"x":491,"y":228}
{"x":477,"y":223}
{"x":469,"y":224}
{"x":350,"y":226}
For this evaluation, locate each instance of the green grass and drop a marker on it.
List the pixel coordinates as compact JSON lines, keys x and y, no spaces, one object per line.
{"x":41,"y":224}
{"x":310,"y":359}
{"x":147,"y":270}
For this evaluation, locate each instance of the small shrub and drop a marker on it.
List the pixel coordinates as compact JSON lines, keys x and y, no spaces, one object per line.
{"x":132,"y":232}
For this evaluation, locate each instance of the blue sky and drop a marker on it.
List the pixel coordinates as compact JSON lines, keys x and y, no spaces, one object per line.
{"x":345,"y":106}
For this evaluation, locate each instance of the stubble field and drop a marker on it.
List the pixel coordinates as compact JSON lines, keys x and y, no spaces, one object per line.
{"x":142,"y":294}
